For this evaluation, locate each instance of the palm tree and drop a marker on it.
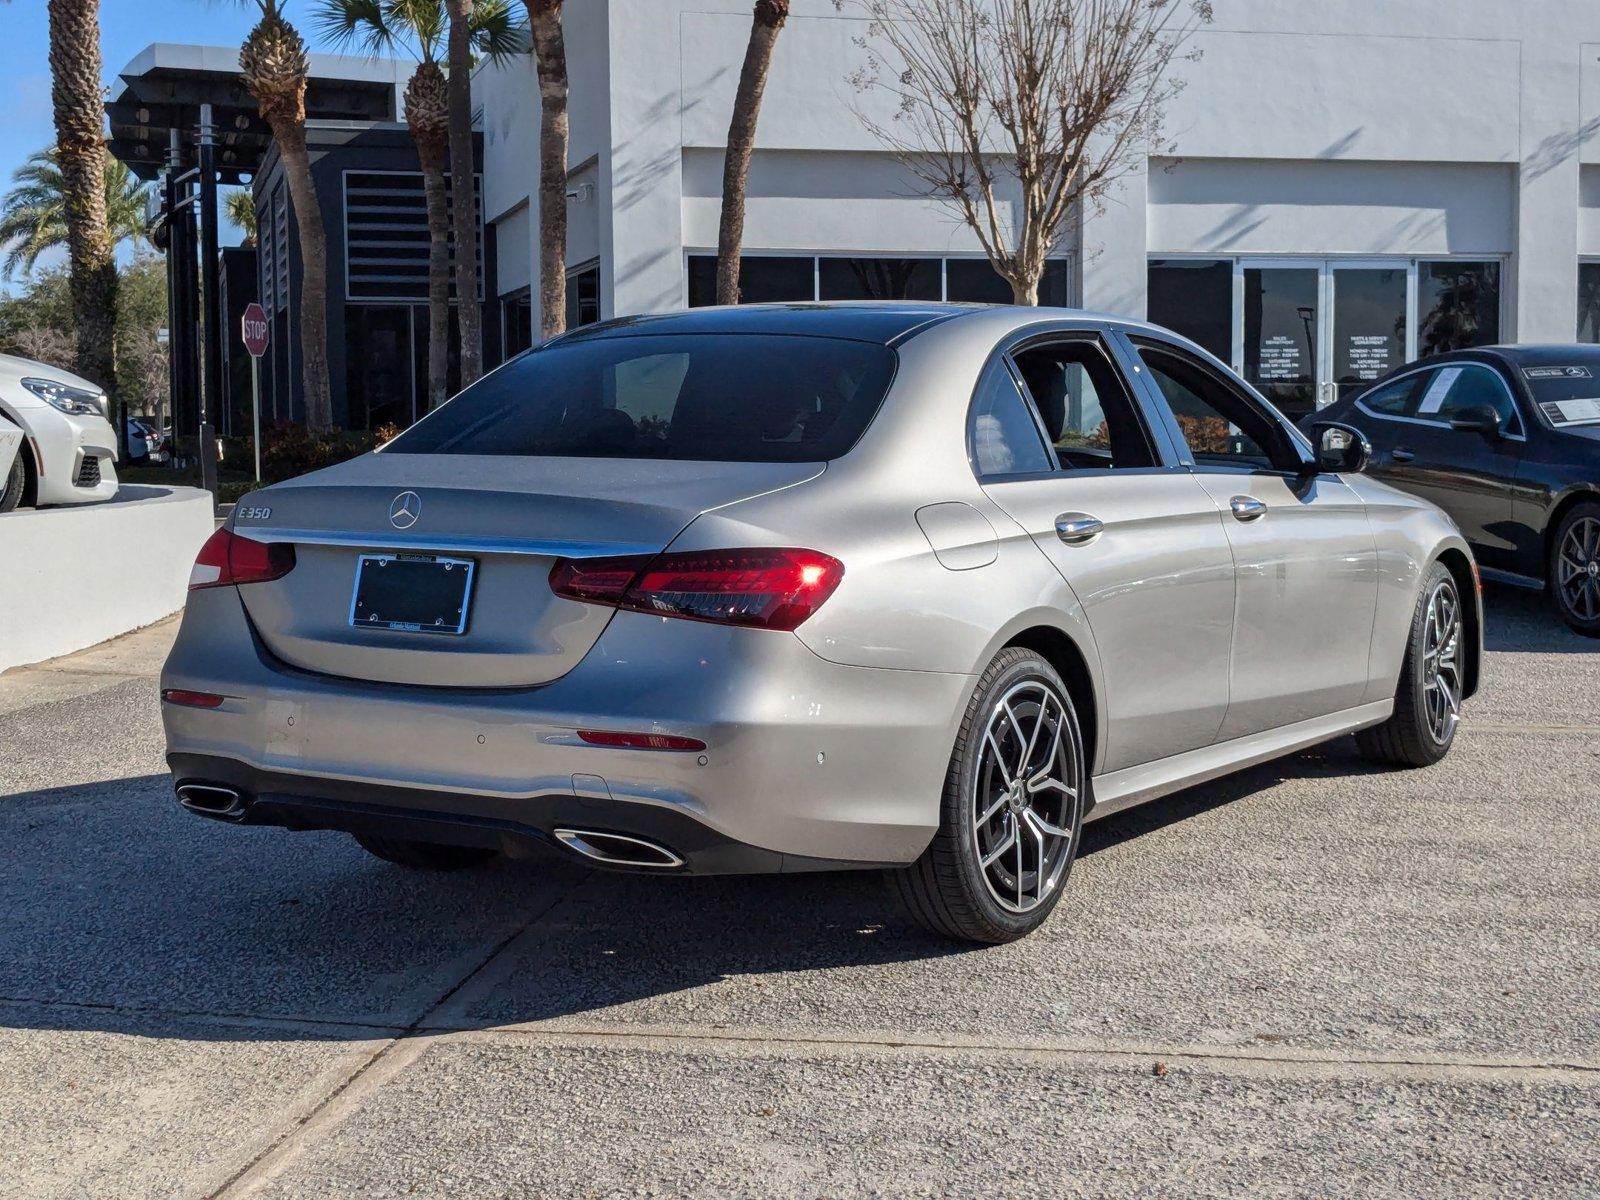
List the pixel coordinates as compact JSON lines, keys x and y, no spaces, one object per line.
{"x":550,"y":58}
{"x":464,"y":184}
{"x":274,"y":67}
{"x":33,"y":214}
{"x":764,"y":29}
{"x":76,"y":95}
{"x":240,"y":206}
{"x":418,"y":26}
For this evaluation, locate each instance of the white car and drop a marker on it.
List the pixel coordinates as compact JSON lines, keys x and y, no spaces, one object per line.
{"x":69,"y":448}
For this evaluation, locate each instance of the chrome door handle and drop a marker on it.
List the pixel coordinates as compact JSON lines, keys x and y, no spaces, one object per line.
{"x":1076,"y":528}
{"x":1401,"y":454}
{"x":1247,"y":508}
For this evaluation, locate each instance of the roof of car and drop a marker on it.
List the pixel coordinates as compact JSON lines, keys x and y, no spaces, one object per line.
{"x":870,"y":321}
{"x":886,"y":322}
{"x":1545,"y":354}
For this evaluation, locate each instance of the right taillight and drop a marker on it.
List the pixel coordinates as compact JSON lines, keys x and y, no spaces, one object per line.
{"x":229,"y":558}
{"x":761,"y":587}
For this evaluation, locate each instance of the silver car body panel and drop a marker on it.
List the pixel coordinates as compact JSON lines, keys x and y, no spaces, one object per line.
{"x":1207,"y":644}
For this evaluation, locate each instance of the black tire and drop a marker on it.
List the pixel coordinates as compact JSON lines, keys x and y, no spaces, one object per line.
{"x":1415,"y":735}
{"x":14,"y":483}
{"x":424,"y":856}
{"x":949,"y":891}
{"x":1574,"y":568}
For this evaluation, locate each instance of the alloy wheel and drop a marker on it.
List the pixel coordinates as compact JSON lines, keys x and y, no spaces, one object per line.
{"x":1441,"y":661}
{"x":1578,"y":569}
{"x":1025,"y":811}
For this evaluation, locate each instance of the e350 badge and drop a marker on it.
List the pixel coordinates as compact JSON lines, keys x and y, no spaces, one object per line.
{"x":251,"y":512}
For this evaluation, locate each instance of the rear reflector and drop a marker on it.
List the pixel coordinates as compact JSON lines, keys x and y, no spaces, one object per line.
{"x":640,"y":741}
{"x":228,"y":557}
{"x":191,"y":699}
{"x":762,"y":587}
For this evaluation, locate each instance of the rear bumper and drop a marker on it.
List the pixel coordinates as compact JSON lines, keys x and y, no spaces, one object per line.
{"x":808,"y":764}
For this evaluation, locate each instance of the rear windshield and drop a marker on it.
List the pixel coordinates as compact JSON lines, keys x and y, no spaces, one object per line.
{"x":712,"y":397}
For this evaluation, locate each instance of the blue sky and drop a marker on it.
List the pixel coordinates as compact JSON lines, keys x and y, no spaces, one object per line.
{"x":126,"y":27}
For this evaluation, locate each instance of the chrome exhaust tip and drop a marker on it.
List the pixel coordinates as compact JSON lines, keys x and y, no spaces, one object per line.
{"x":212,"y":800}
{"x":619,"y":850}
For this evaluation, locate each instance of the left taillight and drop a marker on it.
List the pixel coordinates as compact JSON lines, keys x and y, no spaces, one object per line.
{"x":229,"y":558}
{"x":766,"y":588}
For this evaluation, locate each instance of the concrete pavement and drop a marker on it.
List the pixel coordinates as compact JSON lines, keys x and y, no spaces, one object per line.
{"x":1309,"y":979}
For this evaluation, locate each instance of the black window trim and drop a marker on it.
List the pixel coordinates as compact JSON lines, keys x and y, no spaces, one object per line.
{"x":1156,"y":435}
{"x":1295,"y":440}
{"x":1419,"y":368}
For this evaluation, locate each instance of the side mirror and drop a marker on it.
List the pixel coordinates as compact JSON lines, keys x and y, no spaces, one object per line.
{"x":1341,"y":447}
{"x":1480,"y":419}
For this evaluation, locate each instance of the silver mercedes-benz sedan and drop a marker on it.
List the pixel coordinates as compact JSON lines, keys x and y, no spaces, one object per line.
{"x":805,"y":587}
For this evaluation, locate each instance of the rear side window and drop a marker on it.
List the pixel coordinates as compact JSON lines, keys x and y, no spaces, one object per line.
{"x":1005,"y":438}
{"x":1395,"y":399}
{"x":708,"y":397}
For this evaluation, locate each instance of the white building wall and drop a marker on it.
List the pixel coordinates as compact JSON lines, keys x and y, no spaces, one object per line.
{"x":1435,"y":127}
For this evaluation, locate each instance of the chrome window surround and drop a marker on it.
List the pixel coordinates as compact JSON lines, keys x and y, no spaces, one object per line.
{"x":1516,"y":409}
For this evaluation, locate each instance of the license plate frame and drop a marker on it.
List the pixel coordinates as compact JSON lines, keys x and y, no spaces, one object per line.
{"x":424,"y":618}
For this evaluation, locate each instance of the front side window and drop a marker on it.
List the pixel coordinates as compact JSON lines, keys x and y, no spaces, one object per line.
{"x":1220,"y":427}
{"x":1452,"y":390}
{"x":1084,"y":407}
{"x":1004,"y":436}
{"x":710,"y":397}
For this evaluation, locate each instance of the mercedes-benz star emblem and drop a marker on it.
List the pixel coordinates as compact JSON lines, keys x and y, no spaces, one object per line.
{"x":405,"y":510}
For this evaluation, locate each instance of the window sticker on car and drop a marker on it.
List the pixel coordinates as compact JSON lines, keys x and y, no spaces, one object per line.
{"x":1433,"y":398}
{"x":1572,"y":412}
{"x":1557,"y":372}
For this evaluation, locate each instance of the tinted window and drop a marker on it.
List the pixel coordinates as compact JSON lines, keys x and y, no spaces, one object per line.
{"x":878,"y":278}
{"x":1083,"y":405}
{"x":762,"y":279}
{"x":1194,"y":297}
{"x":1394,"y":399}
{"x":1589,"y":302}
{"x":1219,"y":425}
{"x":724,"y":398}
{"x":1452,"y":390}
{"x":1005,"y":437}
{"x":1458,"y":306}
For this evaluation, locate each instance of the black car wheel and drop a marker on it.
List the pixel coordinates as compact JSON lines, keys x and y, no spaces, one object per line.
{"x":1013,"y":808}
{"x":16,"y":479}
{"x":1427,"y":702}
{"x":1575,"y":568}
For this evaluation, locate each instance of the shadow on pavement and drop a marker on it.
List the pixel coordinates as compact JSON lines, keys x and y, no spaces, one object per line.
{"x":123,"y":907}
{"x":1523,"y":621}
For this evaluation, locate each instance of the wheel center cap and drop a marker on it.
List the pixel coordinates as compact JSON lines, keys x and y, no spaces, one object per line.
{"x":1594,"y":567}
{"x":1019,"y":800}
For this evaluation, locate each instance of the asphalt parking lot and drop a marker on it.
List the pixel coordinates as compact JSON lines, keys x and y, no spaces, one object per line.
{"x":1310,"y":979}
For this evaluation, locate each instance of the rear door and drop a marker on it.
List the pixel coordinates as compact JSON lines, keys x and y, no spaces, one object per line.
{"x":1061,"y":444}
{"x":1304,"y":553}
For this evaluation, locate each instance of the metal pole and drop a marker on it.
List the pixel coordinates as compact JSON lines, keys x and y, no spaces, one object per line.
{"x":215,"y":319}
{"x":255,"y":409}
{"x":174,"y":342}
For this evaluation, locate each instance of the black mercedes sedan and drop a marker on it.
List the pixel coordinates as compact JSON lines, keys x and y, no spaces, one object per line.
{"x":1506,"y":439}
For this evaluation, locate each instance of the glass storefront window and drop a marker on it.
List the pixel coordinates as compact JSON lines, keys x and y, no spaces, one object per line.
{"x":879,"y":279}
{"x":583,"y":297}
{"x":378,"y":364}
{"x":1589,"y":302}
{"x":1280,"y":335}
{"x":1194,"y":297}
{"x":763,"y":279}
{"x":1458,"y":306}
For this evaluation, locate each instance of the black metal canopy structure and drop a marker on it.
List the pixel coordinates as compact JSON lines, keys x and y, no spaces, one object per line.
{"x":165,"y":85}
{"x":183,"y":116}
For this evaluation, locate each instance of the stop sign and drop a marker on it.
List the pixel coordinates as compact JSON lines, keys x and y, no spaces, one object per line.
{"x":253,"y":328}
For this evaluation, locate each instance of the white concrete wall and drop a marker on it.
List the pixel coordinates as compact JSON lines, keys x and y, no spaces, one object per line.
{"x":1344,"y":127}
{"x":72,"y":577}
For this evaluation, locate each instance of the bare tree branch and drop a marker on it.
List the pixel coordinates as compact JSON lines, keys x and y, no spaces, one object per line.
{"x":1020,"y":113}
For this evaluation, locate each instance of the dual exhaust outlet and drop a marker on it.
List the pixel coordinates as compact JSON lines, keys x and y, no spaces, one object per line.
{"x":613,"y":849}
